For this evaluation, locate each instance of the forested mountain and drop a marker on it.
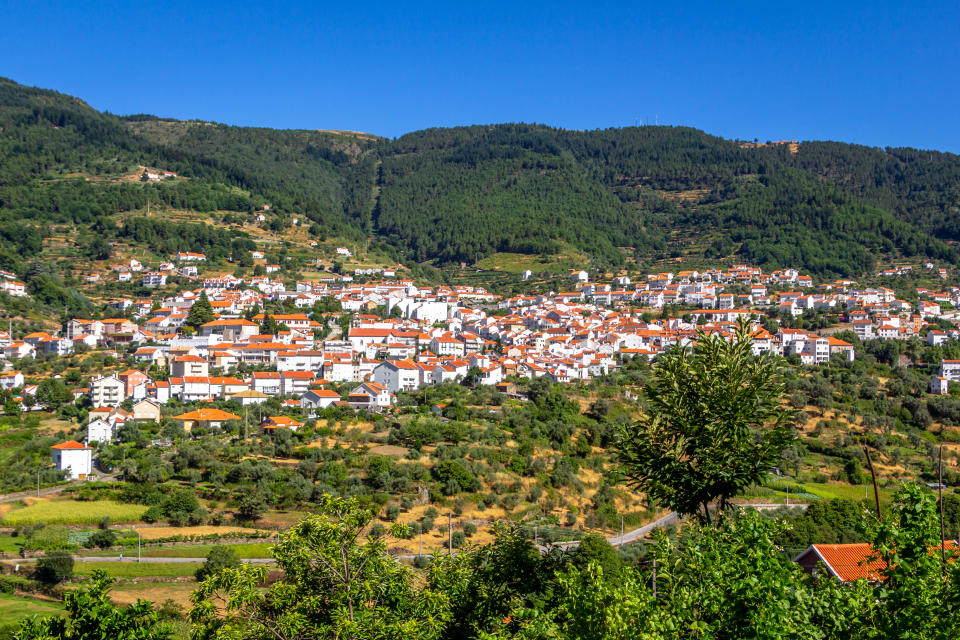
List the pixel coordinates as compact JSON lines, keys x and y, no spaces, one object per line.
{"x":462,"y":194}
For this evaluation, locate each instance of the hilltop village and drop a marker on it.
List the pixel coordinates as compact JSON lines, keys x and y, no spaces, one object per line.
{"x":355,"y":345}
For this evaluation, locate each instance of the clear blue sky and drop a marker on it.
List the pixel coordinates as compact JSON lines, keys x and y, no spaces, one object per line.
{"x":878,"y":73}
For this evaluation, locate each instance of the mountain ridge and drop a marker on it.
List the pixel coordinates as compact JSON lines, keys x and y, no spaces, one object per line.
{"x":462,"y":194}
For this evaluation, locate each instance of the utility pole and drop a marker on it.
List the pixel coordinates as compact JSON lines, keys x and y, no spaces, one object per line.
{"x":138,"y":546}
{"x":788,"y":495}
{"x":420,"y":549}
{"x":654,"y":578}
{"x":450,"y":531}
{"x":621,"y":530}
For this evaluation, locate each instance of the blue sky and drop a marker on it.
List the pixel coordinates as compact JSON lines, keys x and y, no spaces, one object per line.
{"x":877,"y":73}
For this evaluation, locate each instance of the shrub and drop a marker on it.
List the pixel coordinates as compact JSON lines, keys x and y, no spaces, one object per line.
{"x":153,"y":514}
{"x":469,"y":528}
{"x":393,"y":512}
{"x":458,"y":539}
{"x":102,"y":539}
{"x":219,"y":558}
{"x":422,"y":562}
{"x":48,"y":537}
{"x":55,"y":567}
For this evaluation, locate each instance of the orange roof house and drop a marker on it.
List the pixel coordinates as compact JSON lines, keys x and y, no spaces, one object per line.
{"x":69,"y":445}
{"x":847,"y":562}
{"x":280,"y":422}
{"x":206,"y":418}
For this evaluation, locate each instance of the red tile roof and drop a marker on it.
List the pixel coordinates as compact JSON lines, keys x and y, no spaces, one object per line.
{"x":69,"y":445}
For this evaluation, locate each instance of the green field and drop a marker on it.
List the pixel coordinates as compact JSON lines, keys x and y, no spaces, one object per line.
{"x":137,"y":570}
{"x":73,"y":512}
{"x":14,"y":608}
{"x":10,"y":544}
{"x":776,"y":489}
{"x":253,"y":550}
{"x":848,"y":491}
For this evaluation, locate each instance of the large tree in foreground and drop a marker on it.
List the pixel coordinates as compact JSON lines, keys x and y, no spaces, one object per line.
{"x":715,"y":423}
{"x":334,"y":583}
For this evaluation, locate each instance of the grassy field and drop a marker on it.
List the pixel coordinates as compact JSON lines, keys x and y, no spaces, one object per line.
{"x":848,"y":491}
{"x":14,"y":608}
{"x":73,"y":512}
{"x":254,"y":550}
{"x":9,"y":544}
{"x":137,"y":570}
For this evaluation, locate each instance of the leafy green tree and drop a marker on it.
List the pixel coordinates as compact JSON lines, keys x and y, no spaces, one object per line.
{"x":53,"y":394}
{"x":55,"y":567}
{"x":91,"y":614}
{"x":102,"y":539}
{"x":252,"y":505}
{"x":715,"y":424}
{"x":333,"y":585}
{"x":201,"y":312}
{"x":220,"y":557}
{"x":269,"y":326}
{"x":915,"y":581}
{"x":594,"y":549}
{"x":485,"y":585}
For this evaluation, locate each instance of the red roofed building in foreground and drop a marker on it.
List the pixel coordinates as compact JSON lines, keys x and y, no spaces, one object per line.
{"x":74,"y":457}
{"x":846,"y":562}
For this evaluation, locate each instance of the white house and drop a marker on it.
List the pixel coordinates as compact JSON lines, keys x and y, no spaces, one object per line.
{"x":11,"y":380}
{"x":99,"y":430}
{"x":107,"y":391}
{"x":939,"y":386}
{"x":397,"y":375}
{"x":153,"y":279}
{"x":318,"y":399}
{"x":73,"y":457}
{"x":950,"y":369}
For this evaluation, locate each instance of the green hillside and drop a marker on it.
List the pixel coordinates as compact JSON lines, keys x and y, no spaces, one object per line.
{"x":463,"y":194}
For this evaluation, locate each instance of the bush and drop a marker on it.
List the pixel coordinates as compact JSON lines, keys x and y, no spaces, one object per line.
{"x":426,"y":525}
{"x":48,"y":538}
{"x":219,"y":558}
{"x":469,"y":528}
{"x":252,"y":506}
{"x":422,"y":562}
{"x":101,"y":539}
{"x":393,"y":512}
{"x":55,"y":567}
{"x":458,"y":539}
{"x":153,"y":514}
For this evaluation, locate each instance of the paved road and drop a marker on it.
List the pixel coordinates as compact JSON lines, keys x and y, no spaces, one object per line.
{"x":20,"y":495}
{"x":146,"y":559}
{"x":49,"y":491}
{"x":670,"y":518}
